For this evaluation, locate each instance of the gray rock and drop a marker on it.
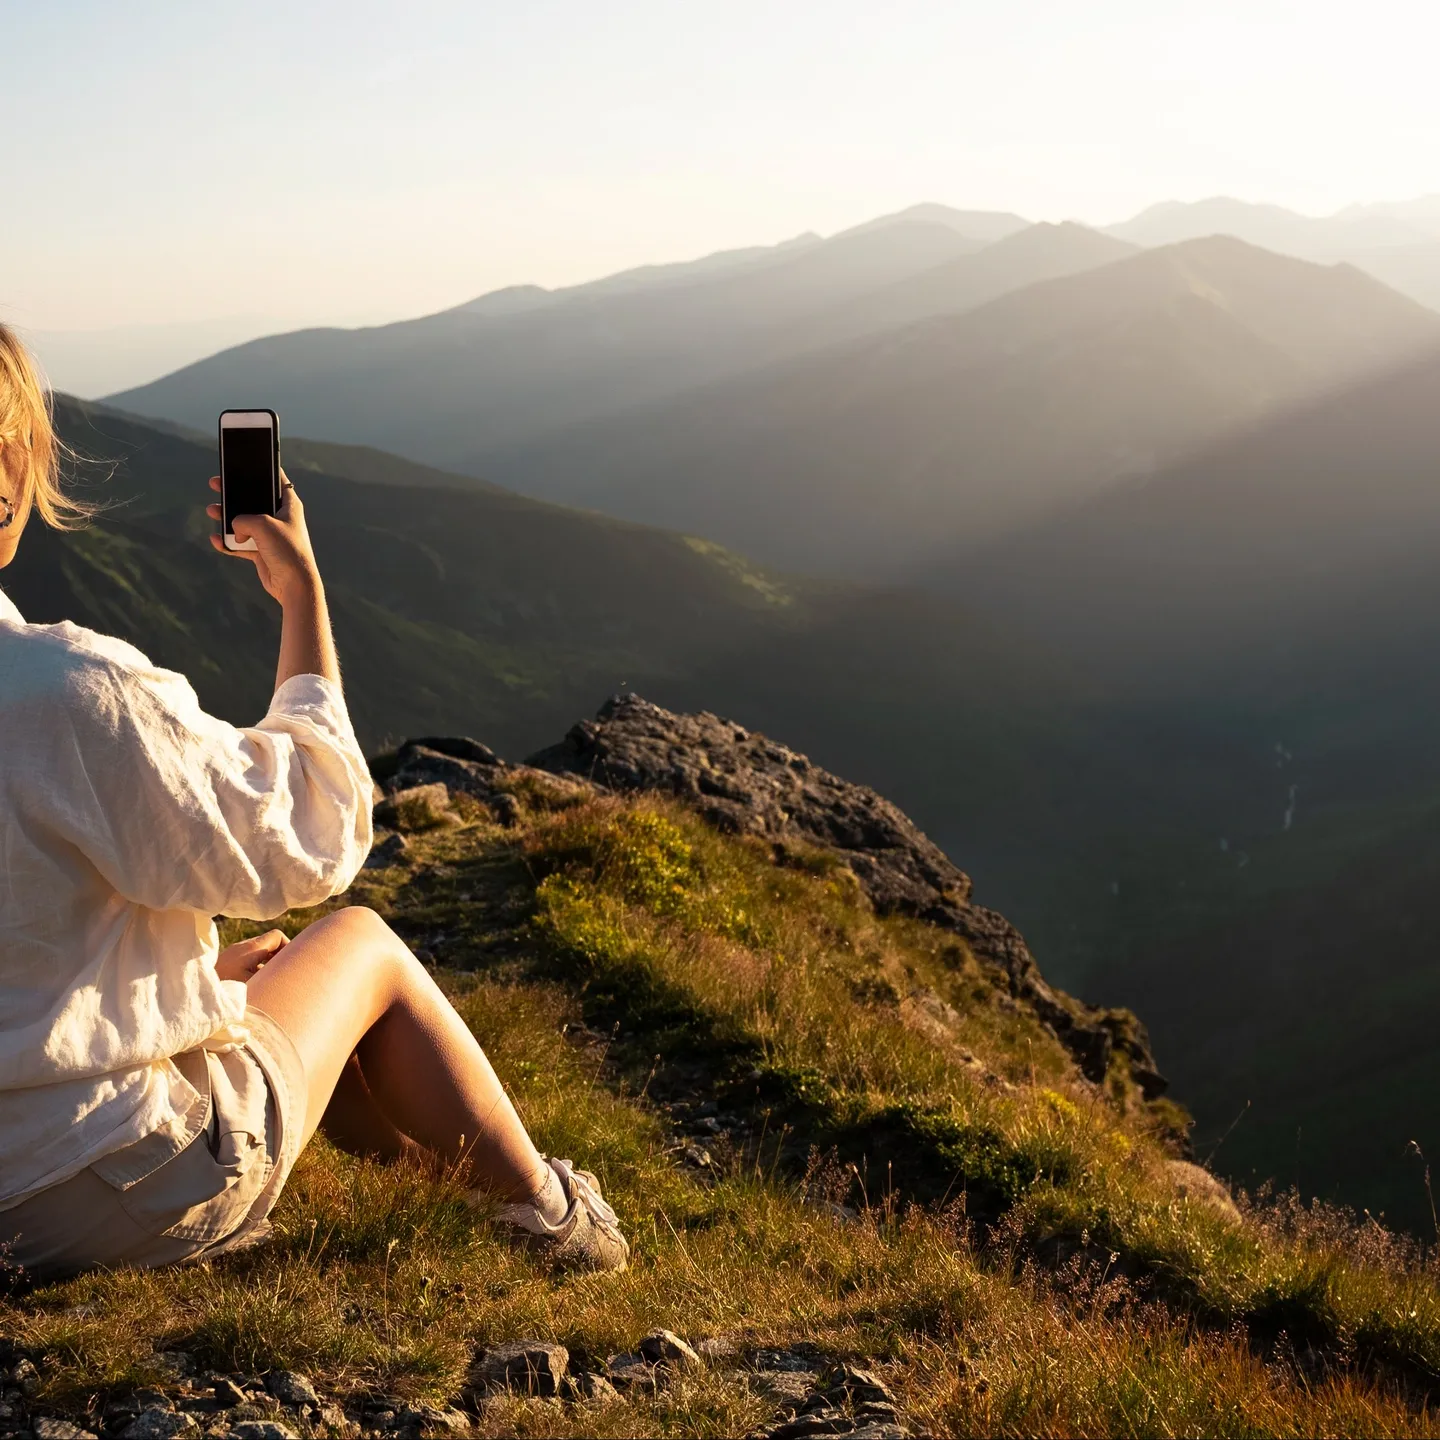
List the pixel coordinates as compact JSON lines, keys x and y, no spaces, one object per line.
{"x":715,"y":1348}
{"x":418,"y":1420}
{"x":820,"y":1422}
{"x":592,"y":1386}
{"x":292,"y":1389}
{"x":25,"y":1377}
{"x":261,"y":1430}
{"x":530,"y":1367}
{"x":880,"y":1430}
{"x":43,"y":1428}
{"x":665,"y":1347}
{"x":157,"y":1422}
{"x":227,"y":1392}
{"x":632,"y":1373}
{"x":388,"y":850}
{"x":748,"y":784}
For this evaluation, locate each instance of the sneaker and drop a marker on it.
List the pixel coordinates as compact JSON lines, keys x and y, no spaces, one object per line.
{"x":588,"y":1238}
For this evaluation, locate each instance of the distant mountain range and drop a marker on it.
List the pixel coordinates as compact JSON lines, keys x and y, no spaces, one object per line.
{"x":867,"y":406}
{"x":898,"y":453}
{"x":1399,"y":244}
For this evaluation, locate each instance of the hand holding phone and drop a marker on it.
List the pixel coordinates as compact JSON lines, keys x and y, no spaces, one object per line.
{"x":249,"y":469}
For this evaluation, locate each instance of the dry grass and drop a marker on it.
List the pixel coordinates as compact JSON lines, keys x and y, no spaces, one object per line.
{"x":1052,"y":1282}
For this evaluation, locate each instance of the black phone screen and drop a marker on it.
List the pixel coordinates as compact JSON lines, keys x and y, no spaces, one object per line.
{"x":247,"y":471}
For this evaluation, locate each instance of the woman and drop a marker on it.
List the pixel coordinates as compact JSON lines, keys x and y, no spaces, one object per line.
{"x":154,"y":1094}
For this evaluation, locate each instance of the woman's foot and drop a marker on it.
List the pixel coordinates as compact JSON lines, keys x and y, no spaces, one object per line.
{"x":569,"y":1222}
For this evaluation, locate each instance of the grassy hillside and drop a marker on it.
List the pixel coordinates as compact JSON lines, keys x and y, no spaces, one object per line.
{"x":830,"y":1143}
{"x":453,"y":607}
{"x":891,"y":453}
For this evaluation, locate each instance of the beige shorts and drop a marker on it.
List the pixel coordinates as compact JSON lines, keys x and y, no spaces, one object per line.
{"x":215,"y":1195}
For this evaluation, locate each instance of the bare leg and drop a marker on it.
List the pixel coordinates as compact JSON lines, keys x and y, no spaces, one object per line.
{"x":348,"y":987}
{"x":354,"y":1121}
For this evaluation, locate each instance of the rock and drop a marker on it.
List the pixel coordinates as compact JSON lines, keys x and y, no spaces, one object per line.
{"x":332,"y":1417}
{"x":261,"y":1430}
{"x":43,"y":1428}
{"x":292,"y":1389}
{"x":387,"y":851}
{"x":422,"y":1420}
{"x":174,"y":1364}
{"x":850,"y":1382}
{"x":633,"y":1373}
{"x":531,"y":1367}
{"x":157,"y":1422}
{"x":880,"y":1430}
{"x":823,"y":1422}
{"x":421,"y":807}
{"x":789,"y":1389}
{"x":745,"y":783}
{"x":1194,"y":1182}
{"x":227,"y":1392}
{"x":593,"y":1386}
{"x":25,"y":1377}
{"x":718,"y":1347}
{"x":665,"y":1347}
{"x":253,"y":1408}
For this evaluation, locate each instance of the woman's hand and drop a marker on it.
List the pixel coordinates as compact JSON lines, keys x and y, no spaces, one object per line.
{"x":242,"y":961}
{"x":286,"y":565}
{"x":282,"y":555}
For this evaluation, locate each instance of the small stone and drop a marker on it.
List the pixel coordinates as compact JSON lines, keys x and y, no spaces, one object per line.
{"x":823,"y":1422}
{"x":632,"y":1372}
{"x":156,"y":1422}
{"x":262,"y":1430}
{"x":43,"y":1428}
{"x":253,"y":1408}
{"x":430,"y":1420}
{"x":880,"y":1430}
{"x":332,"y":1417}
{"x":175,"y":1364}
{"x":665,"y":1347}
{"x":700,"y":1158}
{"x":228,"y":1393}
{"x":293,"y":1389}
{"x":25,"y":1377}
{"x":531,"y":1367}
{"x":718,"y":1347}
{"x":591,"y":1386}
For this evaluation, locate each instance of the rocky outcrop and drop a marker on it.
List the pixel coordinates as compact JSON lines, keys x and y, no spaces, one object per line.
{"x":746,"y":783}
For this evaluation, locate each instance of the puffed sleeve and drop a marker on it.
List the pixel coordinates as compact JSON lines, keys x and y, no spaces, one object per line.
{"x":177,"y":809}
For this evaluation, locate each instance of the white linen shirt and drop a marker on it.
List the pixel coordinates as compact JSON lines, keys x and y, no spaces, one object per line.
{"x":129,"y":818}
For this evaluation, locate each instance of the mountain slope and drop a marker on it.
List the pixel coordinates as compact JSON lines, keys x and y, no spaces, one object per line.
{"x":451,"y":386}
{"x":873,"y":458}
{"x":764,"y":1071}
{"x":1255,"y":864}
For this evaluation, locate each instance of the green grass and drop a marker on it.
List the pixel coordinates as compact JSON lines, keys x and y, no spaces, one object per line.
{"x":1014,"y":1253}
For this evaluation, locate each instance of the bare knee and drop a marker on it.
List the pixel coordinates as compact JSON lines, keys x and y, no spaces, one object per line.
{"x":359,"y":938}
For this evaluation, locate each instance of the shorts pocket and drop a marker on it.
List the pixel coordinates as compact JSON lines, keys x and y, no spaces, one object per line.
{"x":206,"y":1191}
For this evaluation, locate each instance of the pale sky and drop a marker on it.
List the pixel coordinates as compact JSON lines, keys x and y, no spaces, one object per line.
{"x":167,"y":162}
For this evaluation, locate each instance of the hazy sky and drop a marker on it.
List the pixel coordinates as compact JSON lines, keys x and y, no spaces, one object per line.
{"x":311,"y":162}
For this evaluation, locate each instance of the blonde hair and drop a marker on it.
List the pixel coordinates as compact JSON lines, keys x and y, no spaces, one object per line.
{"x":27,"y":428}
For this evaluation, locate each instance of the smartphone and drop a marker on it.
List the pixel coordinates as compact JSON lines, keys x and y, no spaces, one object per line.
{"x":249,"y":469}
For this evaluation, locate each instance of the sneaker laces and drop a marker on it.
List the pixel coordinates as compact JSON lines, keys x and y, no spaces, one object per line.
{"x":581,"y":1185}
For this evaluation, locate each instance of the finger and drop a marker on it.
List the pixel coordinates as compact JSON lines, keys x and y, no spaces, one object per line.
{"x":272,"y":941}
{"x":218,"y":544}
{"x":215,"y":482}
{"x":213,"y":511}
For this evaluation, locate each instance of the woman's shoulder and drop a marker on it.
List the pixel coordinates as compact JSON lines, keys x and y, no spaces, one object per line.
{"x":67,"y":663}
